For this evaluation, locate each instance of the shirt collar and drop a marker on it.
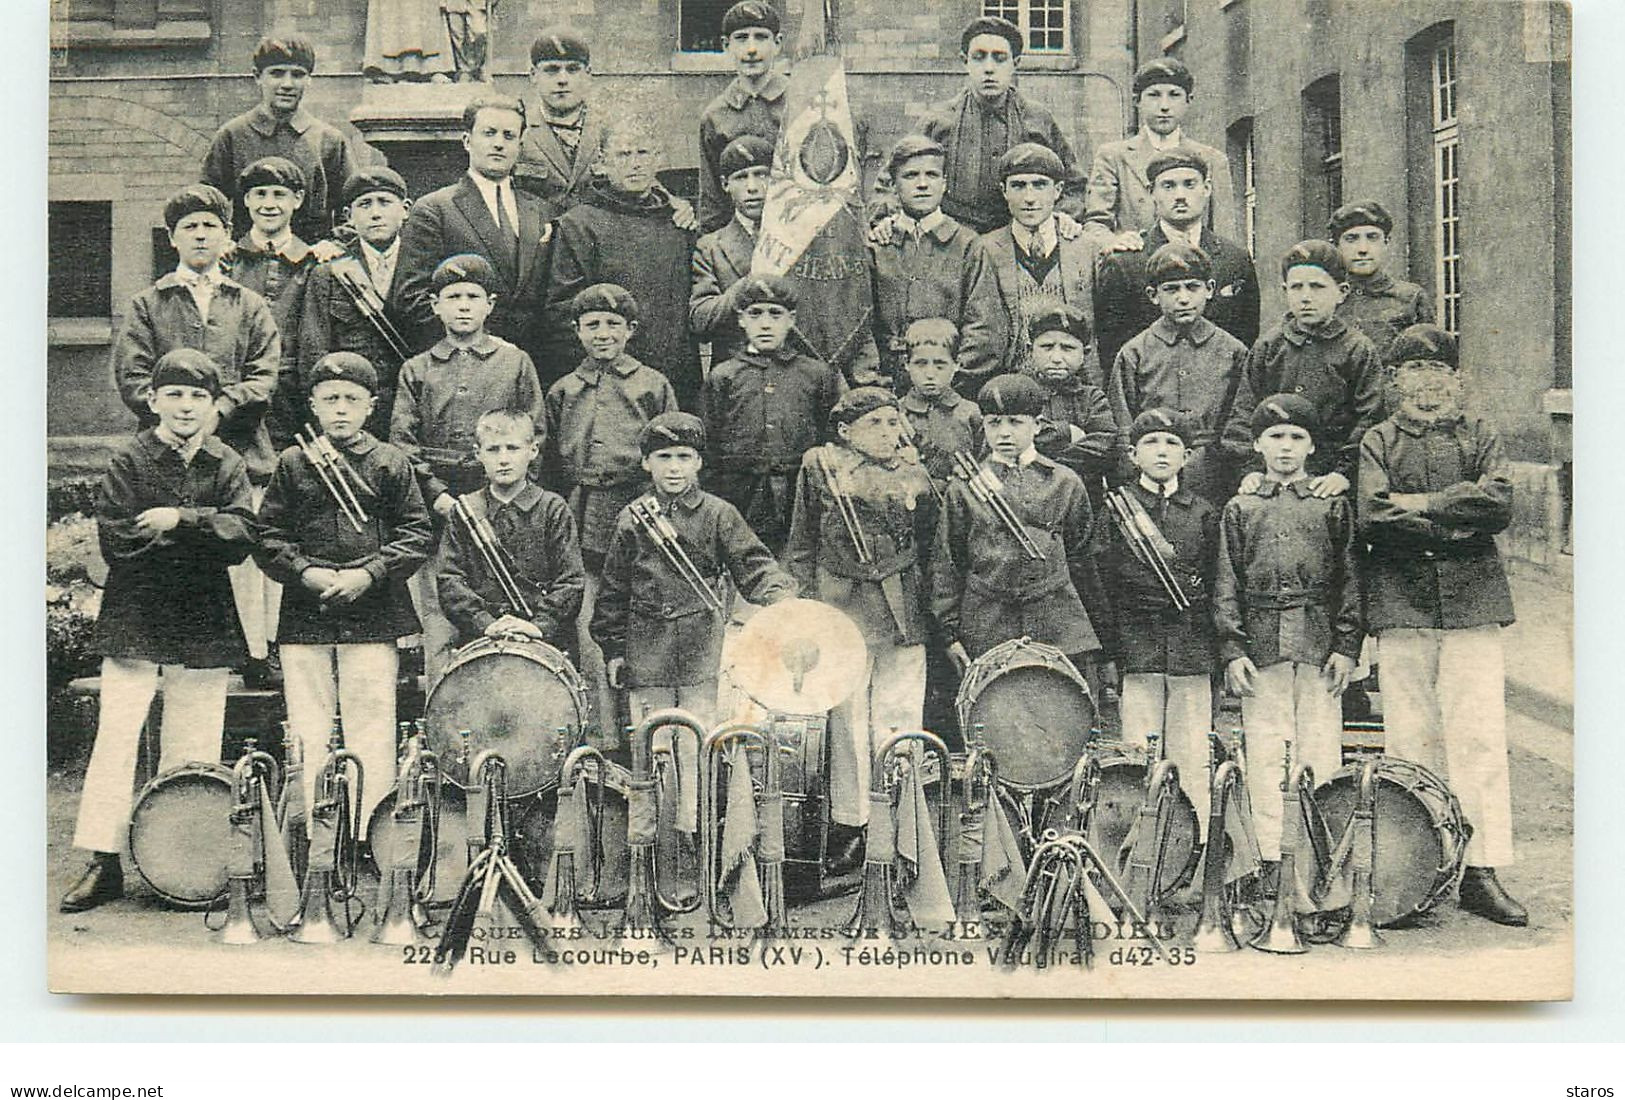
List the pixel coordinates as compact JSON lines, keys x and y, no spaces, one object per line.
{"x":1191,"y":235}
{"x":1418,"y":428}
{"x":488,"y":187}
{"x":779,"y":355}
{"x":376,"y":256}
{"x":1380,"y":283}
{"x":1158,"y":142}
{"x":772,"y":90}
{"x":689,"y":498}
{"x":1165,"y":491}
{"x":1045,"y":236}
{"x":914,"y":401}
{"x":1298,"y":486}
{"x":590,"y":371}
{"x":927,"y":224}
{"x":746,"y":224}
{"x":185,"y":276}
{"x":484,"y":347}
{"x":1025,"y":458}
{"x":186,"y":448}
{"x":266,"y":123}
{"x":1200,"y":332}
{"x":287,"y":246}
{"x":528,"y":496}
{"x":1331,"y":330}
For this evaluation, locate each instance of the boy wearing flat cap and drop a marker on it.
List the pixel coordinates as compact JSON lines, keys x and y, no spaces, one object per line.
{"x":1316,"y":354}
{"x":173,"y":513}
{"x":1181,"y":192}
{"x":1434,"y":493}
{"x":988,"y":119}
{"x":1119,"y":194}
{"x":1184,"y":362}
{"x":874,"y":570}
{"x":662,"y":643}
{"x":1075,"y":426}
{"x":1286,"y":606}
{"x":345,"y":601}
{"x":752,"y":103}
{"x":441,"y":395}
{"x":764,"y":408}
{"x":1378,"y":304}
{"x":1034,"y":265}
{"x":1166,"y":655}
{"x":348,"y":299}
{"x":932,"y":266}
{"x":722,"y":258}
{"x":985,"y":587}
{"x":279,"y":126}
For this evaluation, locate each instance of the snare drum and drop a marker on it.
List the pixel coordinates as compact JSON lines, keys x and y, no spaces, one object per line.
{"x":1033,"y":710}
{"x":180,"y":834}
{"x":1118,"y":800}
{"x":1421,"y":847}
{"x":518,"y":696}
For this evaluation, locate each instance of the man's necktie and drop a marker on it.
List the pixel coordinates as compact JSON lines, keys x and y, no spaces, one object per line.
{"x":508,"y":235}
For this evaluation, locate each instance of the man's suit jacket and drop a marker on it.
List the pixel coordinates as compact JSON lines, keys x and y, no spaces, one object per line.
{"x":545,"y":168}
{"x":721,"y":259}
{"x":455,"y":220}
{"x":1119,"y":195}
{"x":1077,"y":271}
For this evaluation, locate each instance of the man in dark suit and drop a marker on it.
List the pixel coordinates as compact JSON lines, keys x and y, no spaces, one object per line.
{"x":1180,"y":193}
{"x":485,"y":214}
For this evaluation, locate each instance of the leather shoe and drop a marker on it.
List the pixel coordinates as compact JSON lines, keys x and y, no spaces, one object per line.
{"x":845,"y":851}
{"x":1482,"y":894}
{"x":103,"y":881}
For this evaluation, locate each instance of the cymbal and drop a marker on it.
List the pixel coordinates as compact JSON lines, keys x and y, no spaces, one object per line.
{"x":797,"y":657}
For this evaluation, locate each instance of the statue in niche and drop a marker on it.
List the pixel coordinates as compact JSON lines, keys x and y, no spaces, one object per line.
{"x":427,"y":40}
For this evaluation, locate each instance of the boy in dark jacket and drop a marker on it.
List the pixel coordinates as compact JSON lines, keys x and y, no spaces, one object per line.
{"x":1075,"y":425}
{"x":173,"y":513}
{"x":1378,"y":304}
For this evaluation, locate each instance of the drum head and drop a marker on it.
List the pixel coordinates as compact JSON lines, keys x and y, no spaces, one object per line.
{"x":1410,"y":856}
{"x":1036,"y":719}
{"x":180,"y":834}
{"x":512,"y":698}
{"x":1121,"y":794}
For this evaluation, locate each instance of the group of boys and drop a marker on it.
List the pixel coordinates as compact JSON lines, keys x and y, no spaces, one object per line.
{"x":1029,"y":359}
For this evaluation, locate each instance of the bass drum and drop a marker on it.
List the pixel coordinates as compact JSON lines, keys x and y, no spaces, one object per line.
{"x":1028,"y":704}
{"x":518,"y":696}
{"x":1120,"y":795}
{"x":180,"y":834}
{"x":1421,"y":847}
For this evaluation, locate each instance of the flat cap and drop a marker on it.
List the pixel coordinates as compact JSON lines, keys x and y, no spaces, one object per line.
{"x":560,"y":44}
{"x":197,"y":198}
{"x":367,"y":180}
{"x":466,"y":267}
{"x":1321,"y":254}
{"x":860,"y":402}
{"x":991,"y":24}
{"x":1057,"y":316}
{"x":750,"y":13}
{"x":766,"y":290}
{"x":1177,"y":260}
{"x":271,"y":172}
{"x":744,"y":152}
{"x":284,"y":51}
{"x":672,"y":429}
{"x":1180,"y":156}
{"x":1031,"y":159}
{"x":1162,"y":419}
{"x":1285,"y":408}
{"x":1353,"y":214}
{"x":909,"y":147}
{"x":186,"y":367}
{"x":605,"y":298}
{"x":1427,"y":342}
{"x":1011,"y":395}
{"x":1163,"y":70}
{"x":344,"y":366}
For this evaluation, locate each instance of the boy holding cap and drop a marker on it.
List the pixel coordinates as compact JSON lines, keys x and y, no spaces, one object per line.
{"x":345,"y":601}
{"x":752,"y":103}
{"x":1315,"y":354}
{"x":1184,"y":362}
{"x":882,"y":587}
{"x":442,"y":393}
{"x":1378,"y":304}
{"x":986,"y":120}
{"x":279,"y":126}
{"x":1434,"y":493}
{"x":931,"y":266}
{"x":1166,"y":655}
{"x":1119,"y":194}
{"x":173,"y":513}
{"x":764,"y":408}
{"x":1286,"y":606}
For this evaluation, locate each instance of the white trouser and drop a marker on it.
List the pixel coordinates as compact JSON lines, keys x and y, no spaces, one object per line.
{"x":1444,"y":707}
{"x":700,"y":700}
{"x":194,"y":713}
{"x":439,"y":636}
{"x":356,"y":683}
{"x":1179,"y":710}
{"x":890,"y":695}
{"x":1289,"y":703}
{"x":258,"y":599}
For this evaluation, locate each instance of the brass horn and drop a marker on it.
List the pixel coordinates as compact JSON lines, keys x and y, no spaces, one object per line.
{"x":766,"y":845}
{"x":1280,"y":935}
{"x":980,"y":786}
{"x":402,"y":920}
{"x":1215,"y":930}
{"x":644,"y":905}
{"x":334,"y":856}
{"x":875,"y":913}
{"x":1361,"y":932}
{"x":574,"y":844}
{"x":1148,"y":855}
{"x":251,"y":777}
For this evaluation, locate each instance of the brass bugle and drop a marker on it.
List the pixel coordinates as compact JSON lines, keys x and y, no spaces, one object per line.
{"x":980,"y":787}
{"x":246,"y":923}
{"x":874,"y":914}
{"x":1215,"y":930}
{"x":742,"y":737}
{"x":1148,"y":857}
{"x":1361,"y":932}
{"x":402,"y":920}
{"x":334,"y":854}
{"x":644,"y":908}
{"x":567,"y":861}
{"x":1280,"y":935}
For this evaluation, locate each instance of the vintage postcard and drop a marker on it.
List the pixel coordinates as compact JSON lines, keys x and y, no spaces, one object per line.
{"x":1016,"y":498}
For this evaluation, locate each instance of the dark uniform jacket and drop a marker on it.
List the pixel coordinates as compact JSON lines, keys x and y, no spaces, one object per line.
{"x":537,"y":533}
{"x":300,"y":526}
{"x":976,"y":135}
{"x":1122,"y":309}
{"x":455,"y":220}
{"x":1382,"y":307}
{"x":1146,"y":633}
{"x":168,"y":598}
{"x":1335,"y":368}
{"x":939,"y":428}
{"x":1286,"y":587}
{"x":898,"y":515}
{"x":628,"y":240}
{"x":1438,"y":567}
{"x":941,"y":273}
{"x":443,"y":393}
{"x":733,"y":114}
{"x":985,"y":590}
{"x":281,"y":278}
{"x":647,"y":613}
{"x":240,"y":336}
{"x":320,"y":150}
{"x":552,"y":172}
{"x":331,"y":321}
{"x":762,"y":411}
{"x":1081,"y":403}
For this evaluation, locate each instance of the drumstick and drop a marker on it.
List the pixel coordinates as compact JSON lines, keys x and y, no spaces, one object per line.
{"x":314,"y":457}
